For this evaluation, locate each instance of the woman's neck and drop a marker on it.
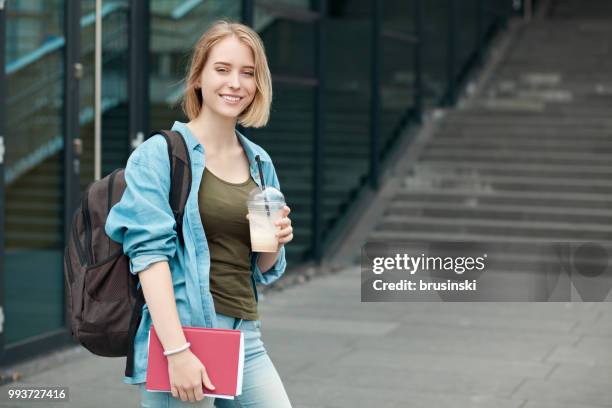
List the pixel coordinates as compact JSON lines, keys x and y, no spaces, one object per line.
{"x":216,"y":133}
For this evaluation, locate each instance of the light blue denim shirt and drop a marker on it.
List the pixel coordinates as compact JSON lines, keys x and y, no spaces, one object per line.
{"x":143,"y":222}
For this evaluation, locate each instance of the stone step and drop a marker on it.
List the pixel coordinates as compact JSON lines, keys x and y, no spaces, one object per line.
{"x":518,"y":120}
{"x":513,"y":169}
{"x":523,"y":144}
{"x":462,"y":236}
{"x":550,"y":110}
{"x":416,"y":207}
{"x":573,"y":76}
{"x":507,"y":183}
{"x":525,"y":157}
{"x":551,"y":230}
{"x":553,"y":58}
{"x":570,"y":79}
{"x":507,"y":134}
{"x":463,"y":197}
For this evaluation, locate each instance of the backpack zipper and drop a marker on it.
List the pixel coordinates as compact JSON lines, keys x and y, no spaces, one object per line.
{"x":77,"y":243}
{"x":88,"y":249}
{"x":69,"y":265}
{"x":111,"y":179}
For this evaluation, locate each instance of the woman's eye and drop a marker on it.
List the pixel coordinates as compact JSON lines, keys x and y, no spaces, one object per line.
{"x":250,"y":73}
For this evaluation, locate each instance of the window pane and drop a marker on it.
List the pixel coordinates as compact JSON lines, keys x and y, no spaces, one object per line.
{"x":347,"y":106}
{"x":288,"y":139}
{"x":288,"y":35}
{"x":397,"y":69}
{"x":33,"y":266}
{"x":115,"y":107}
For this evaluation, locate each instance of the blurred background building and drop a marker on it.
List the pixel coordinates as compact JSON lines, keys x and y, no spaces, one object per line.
{"x":349,"y":77}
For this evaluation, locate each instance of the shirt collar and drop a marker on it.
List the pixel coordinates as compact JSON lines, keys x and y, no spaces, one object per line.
{"x":250,"y":148}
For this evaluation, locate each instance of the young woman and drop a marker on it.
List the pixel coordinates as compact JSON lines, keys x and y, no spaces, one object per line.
{"x":210,"y":280}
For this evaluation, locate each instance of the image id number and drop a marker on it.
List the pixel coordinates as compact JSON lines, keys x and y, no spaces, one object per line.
{"x":38,"y":393}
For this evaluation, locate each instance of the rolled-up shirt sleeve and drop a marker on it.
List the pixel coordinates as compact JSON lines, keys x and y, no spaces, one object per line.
{"x":272,"y":274}
{"x":142,"y":220}
{"x":278,"y":269}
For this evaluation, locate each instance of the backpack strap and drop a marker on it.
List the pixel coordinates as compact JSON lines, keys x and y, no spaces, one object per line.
{"x":180,"y":185}
{"x":180,"y":176}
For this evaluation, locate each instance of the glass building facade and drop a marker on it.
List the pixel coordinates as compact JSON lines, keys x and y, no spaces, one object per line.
{"x":349,"y":76}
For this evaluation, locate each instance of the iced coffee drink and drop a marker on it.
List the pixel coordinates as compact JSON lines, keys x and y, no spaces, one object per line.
{"x":265,"y":208}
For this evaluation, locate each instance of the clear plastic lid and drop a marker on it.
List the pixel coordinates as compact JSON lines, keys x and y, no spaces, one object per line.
{"x":259,"y":198}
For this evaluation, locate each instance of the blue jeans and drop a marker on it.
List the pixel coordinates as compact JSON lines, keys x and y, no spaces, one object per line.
{"x":261,"y":384}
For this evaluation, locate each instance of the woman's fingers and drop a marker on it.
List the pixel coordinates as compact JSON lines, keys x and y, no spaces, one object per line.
{"x":198,"y":392}
{"x":286,"y":239}
{"x":182,"y":394}
{"x":284,"y":231}
{"x":191,"y":395}
{"x":283,"y":222}
{"x":285,"y":235}
{"x":207,"y":383}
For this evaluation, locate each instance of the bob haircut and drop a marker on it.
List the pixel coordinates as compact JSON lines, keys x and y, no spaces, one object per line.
{"x":257,"y":113}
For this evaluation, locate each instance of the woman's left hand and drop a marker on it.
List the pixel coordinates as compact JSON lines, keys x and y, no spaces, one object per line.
{"x":285,"y":234}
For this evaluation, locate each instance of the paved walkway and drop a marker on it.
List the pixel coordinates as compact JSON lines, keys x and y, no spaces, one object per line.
{"x":334,"y":351}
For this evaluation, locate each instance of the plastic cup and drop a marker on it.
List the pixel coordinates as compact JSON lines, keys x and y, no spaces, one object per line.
{"x":265,"y":208}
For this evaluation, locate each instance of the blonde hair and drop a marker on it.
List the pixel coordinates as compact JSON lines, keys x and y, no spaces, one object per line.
{"x":258,"y":112}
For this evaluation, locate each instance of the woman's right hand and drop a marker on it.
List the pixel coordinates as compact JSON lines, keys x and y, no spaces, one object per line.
{"x":187,"y":374}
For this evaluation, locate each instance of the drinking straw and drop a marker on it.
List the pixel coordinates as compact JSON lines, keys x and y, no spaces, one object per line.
{"x":263,"y":184}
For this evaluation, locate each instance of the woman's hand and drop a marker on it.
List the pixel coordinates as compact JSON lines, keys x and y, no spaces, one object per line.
{"x":285,"y":234}
{"x":187,"y":374}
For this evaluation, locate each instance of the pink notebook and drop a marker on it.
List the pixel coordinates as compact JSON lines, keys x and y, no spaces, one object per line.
{"x":220,"y":350}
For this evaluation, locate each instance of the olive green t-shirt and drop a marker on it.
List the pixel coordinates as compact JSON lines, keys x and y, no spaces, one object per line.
{"x":223,"y":212}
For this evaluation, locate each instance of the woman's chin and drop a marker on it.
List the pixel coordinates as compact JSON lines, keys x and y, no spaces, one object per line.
{"x":228,"y":112}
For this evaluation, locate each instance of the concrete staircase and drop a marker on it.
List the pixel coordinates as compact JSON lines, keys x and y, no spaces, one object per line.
{"x":530,"y":157}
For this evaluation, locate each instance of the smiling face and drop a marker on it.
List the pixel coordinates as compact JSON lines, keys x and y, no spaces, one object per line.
{"x":227,"y":80}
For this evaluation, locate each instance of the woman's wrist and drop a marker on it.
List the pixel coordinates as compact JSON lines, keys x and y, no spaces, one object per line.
{"x":179,"y":355}
{"x":177,"y":350}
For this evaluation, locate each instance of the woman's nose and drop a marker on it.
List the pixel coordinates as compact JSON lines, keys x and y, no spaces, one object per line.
{"x":235,"y":82}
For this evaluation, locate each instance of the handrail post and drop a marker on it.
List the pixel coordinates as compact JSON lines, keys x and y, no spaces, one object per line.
{"x":248,"y":13}
{"x":375,"y":92}
{"x":450,"y":63}
{"x":138,"y":90}
{"x":480,"y":30}
{"x":98,"y":93}
{"x":418,"y":59}
{"x":527,"y":9}
{"x":73,"y":72}
{"x":2,"y":186}
{"x":70,"y":122}
{"x":318,"y":167}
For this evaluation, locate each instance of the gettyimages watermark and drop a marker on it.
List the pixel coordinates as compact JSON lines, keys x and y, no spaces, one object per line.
{"x":486,"y":271}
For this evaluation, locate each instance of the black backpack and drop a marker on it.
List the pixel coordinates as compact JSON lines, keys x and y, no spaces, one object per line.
{"x":104,"y":302}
